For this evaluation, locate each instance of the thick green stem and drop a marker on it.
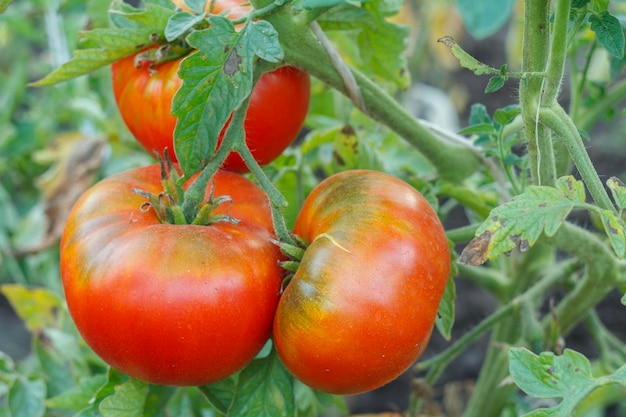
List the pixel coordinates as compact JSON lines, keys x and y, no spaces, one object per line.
{"x":601,"y":275}
{"x":556,"y":119}
{"x":535,"y":51}
{"x":558,"y":53}
{"x":304,"y":51}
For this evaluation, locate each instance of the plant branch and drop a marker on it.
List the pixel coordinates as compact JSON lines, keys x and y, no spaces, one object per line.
{"x":304,"y":51}
{"x":601,"y":275}
{"x":534,"y":59}
{"x":556,"y":119}
{"x":437,"y":363}
{"x":558,"y":53}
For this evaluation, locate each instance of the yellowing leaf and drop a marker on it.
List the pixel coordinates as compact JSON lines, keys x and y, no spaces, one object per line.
{"x":36,"y":307}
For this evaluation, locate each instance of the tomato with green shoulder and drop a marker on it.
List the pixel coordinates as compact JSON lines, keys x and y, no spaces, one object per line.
{"x":173,"y":304}
{"x":361,"y":306}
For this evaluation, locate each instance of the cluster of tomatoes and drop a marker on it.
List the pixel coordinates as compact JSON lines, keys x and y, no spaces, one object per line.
{"x":190,"y":304}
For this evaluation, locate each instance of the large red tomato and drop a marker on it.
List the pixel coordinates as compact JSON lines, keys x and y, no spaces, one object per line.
{"x":278,"y":107}
{"x":171,"y":304}
{"x":361,"y":306}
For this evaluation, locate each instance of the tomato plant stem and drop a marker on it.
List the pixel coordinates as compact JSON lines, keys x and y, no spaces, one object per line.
{"x":558,"y":121}
{"x":304,"y":51}
{"x":558,"y":53}
{"x":439,"y":362}
{"x":535,"y":49}
{"x":602,"y":272}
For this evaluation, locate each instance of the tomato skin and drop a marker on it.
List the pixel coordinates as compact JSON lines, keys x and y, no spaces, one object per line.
{"x":170,"y":304}
{"x":361,"y":306}
{"x":278,"y":107}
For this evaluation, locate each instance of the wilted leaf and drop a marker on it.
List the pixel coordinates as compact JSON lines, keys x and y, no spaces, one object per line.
{"x":520,"y":222}
{"x":76,"y":160}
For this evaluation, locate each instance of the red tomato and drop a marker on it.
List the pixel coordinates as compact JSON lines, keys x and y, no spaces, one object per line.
{"x":171,"y":304}
{"x":361,"y":307}
{"x":278,"y":107}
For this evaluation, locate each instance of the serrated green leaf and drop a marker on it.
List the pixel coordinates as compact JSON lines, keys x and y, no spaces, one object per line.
{"x":181,"y":23}
{"x":113,"y":43}
{"x":567,"y":377}
{"x":78,"y":397}
{"x":484,"y":18}
{"x":609,"y":32}
{"x":264,"y":389}
{"x":216,"y":80}
{"x":539,"y":210}
{"x":548,"y":375}
{"x":571,"y":188}
{"x":495,"y":83}
{"x":26,"y":398}
{"x":614,"y":229}
{"x":128,"y":400}
{"x":479,"y":129}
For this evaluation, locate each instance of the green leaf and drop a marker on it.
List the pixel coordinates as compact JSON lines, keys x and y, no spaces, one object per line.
{"x":36,"y":307}
{"x":618,"y":190}
{"x":181,"y":23}
{"x":520,"y":222}
{"x":567,"y":376}
{"x":112,"y":43}
{"x":220,"y":393}
{"x":216,"y":80}
{"x":128,"y":400}
{"x":547,"y":375}
{"x":479,"y":129}
{"x":445,"y":313}
{"x":264,"y":389}
{"x":26,"y":398}
{"x":495,"y":83}
{"x":484,"y":18}
{"x":197,"y":6}
{"x":609,"y":33}
{"x":614,"y":229}
{"x":379,"y":46}
{"x":312,"y":403}
{"x":505,"y":115}
{"x":313,"y":4}
{"x":79,"y":396}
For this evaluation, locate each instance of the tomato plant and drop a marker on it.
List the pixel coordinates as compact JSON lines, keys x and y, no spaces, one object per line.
{"x":168,"y":303}
{"x":361,"y":306}
{"x":144,"y":94}
{"x":499,"y":177}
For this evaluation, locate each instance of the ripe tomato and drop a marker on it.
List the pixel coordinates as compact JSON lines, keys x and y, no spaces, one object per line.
{"x":278,"y":106}
{"x":171,"y":304}
{"x":361,"y":306}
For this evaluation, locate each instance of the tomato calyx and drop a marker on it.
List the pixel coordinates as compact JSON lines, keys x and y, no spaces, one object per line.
{"x":153,"y":57}
{"x":294,"y":254}
{"x":169,"y":204}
